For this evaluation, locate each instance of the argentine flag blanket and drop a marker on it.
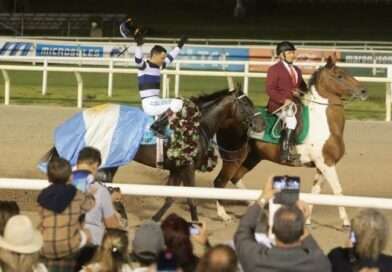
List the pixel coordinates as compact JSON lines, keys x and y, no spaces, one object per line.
{"x":116,"y":130}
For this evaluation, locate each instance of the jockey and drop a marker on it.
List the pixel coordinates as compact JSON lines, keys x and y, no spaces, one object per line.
{"x":149,"y":78}
{"x":284,"y":85}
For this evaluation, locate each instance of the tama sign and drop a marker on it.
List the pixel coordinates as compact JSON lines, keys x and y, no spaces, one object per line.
{"x":54,"y":50}
{"x":16,"y":48}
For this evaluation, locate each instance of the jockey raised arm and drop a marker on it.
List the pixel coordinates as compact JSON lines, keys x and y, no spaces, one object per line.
{"x":149,"y":77}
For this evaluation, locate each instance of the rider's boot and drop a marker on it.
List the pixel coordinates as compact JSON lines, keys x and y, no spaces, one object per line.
{"x":159,"y":126}
{"x":288,"y":151}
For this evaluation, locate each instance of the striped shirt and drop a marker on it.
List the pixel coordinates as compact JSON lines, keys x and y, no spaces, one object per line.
{"x":149,"y":75}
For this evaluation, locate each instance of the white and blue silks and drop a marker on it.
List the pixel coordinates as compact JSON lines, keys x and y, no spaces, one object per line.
{"x":115,"y":130}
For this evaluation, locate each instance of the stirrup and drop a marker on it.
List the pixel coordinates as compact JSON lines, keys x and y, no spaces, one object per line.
{"x":293,"y":159}
{"x":158,"y":132}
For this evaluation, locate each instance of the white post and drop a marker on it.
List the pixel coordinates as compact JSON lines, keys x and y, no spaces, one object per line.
{"x":79,"y":80}
{"x":6,"y":87}
{"x":246,"y":79}
{"x":164,"y":85}
{"x":168,"y":87}
{"x":45,"y":77}
{"x":388,"y":96}
{"x":110,"y":79}
{"x":177,"y":81}
{"x":230,"y":83}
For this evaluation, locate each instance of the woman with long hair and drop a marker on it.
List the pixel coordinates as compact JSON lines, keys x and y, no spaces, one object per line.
{"x":178,"y":242}
{"x":366,"y":242}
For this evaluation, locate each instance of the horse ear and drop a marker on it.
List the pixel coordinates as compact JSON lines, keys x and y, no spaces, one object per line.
{"x":331,"y":62}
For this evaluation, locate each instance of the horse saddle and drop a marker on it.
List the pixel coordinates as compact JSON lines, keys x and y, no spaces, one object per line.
{"x":273,"y":126}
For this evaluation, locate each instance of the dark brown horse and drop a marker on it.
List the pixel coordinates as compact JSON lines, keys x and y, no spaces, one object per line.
{"x":323,"y":147}
{"x":217,"y":109}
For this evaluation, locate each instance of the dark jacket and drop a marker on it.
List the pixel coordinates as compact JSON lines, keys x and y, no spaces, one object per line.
{"x":256,"y":257}
{"x":340,"y":260}
{"x":279,"y":85}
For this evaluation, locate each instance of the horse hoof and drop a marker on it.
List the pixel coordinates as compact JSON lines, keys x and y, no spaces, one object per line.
{"x":225,"y":218}
{"x":346,"y":224}
{"x":308,"y":222}
{"x":250,"y":203}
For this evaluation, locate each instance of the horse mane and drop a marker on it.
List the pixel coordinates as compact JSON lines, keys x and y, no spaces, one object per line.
{"x":315,"y":77}
{"x":204,"y":98}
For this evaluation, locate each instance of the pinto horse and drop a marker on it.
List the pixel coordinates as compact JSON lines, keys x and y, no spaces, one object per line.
{"x":216,"y":109}
{"x":322,"y":148}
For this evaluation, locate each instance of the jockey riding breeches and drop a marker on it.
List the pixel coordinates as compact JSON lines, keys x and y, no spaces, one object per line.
{"x":288,"y":117}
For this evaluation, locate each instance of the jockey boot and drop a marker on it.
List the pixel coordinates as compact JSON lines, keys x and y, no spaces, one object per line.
{"x":159,"y":126}
{"x":288,"y":153}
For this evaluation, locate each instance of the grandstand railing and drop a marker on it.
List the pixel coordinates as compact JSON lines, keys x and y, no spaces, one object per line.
{"x":212,"y":193}
{"x":42,"y":64}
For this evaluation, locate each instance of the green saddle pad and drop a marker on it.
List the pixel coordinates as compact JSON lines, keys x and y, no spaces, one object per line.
{"x":270,"y":120}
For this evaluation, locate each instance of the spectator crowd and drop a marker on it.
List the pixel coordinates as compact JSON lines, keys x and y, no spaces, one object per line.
{"x":83,"y":226}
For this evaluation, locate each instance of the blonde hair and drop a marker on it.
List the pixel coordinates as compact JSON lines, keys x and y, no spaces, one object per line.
{"x":371,"y":230}
{"x":16,"y":262}
{"x":113,"y":253}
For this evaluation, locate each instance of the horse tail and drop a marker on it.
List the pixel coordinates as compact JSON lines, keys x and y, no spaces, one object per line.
{"x":50,"y":155}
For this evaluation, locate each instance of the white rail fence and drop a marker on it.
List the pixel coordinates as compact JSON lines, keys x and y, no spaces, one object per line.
{"x":51,"y":64}
{"x":212,"y":193}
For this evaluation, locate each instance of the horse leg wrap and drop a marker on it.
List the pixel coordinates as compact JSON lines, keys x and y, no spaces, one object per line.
{"x":159,"y":155}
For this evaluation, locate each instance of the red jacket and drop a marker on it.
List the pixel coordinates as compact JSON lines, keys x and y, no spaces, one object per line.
{"x":279,"y":85}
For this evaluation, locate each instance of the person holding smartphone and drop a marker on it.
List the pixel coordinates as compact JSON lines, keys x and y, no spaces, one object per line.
{"x":180,"y":238}
{"x":366,"y":242}
{"x":294,"y":248}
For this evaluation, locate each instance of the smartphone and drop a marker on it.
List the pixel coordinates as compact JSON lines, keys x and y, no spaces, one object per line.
{"x":288,"y":188}
{"x":194,"y":227}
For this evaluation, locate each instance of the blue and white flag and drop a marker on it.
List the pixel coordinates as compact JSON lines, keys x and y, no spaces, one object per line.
{"x":115,"y":130}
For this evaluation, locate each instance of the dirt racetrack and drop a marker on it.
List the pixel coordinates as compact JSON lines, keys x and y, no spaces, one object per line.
{"x":26,"y":134}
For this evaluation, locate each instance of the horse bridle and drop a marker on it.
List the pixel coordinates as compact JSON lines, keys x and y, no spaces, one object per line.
{"x":250,"y":115}
{"x":351,"y":99}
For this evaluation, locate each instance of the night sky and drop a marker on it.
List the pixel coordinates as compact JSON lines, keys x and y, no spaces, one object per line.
{"x":266,"y":19}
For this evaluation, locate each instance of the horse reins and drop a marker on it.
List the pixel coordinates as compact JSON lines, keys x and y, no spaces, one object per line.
{"x":350,"y":100}
{"x":254,"y":115}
